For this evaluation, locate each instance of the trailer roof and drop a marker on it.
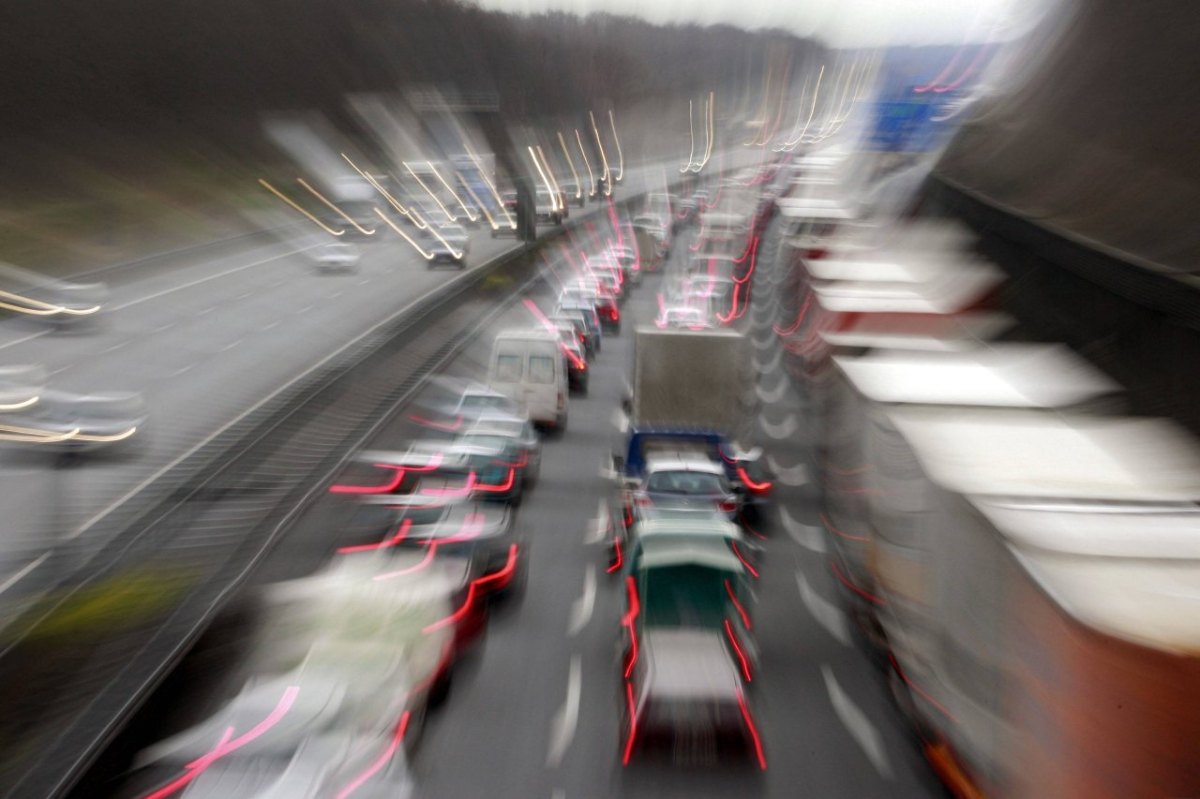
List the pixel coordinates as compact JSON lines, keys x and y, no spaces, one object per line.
{"x":999,"y":375}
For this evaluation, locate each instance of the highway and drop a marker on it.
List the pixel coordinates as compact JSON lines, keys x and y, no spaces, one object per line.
{"x":533,"y":711}
{"x":205,"y":341}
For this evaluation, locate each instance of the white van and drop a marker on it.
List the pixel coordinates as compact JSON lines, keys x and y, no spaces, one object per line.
{"x":528,"y":366}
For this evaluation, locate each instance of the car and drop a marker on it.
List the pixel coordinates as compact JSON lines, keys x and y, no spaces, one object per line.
{"x":67,"y":422}
{"x":479,"y":398}
{"x":692,"y":317}
{"x":337,"y":257}
{"x":574,"y":193}
{"x":575,"y":356}
{"x":527,"y":364}
{"x":683,"y":480}
{"x":583,"y":333}
{"x":515,"y":433}
{"x":591,"y":317}
{"x":482,"y":534}
{"x":685,"y":699}
{"x":630,"y":263}
{"x":449,"y":243}
{"x":548,"y":207}
{"x":432,"y":470}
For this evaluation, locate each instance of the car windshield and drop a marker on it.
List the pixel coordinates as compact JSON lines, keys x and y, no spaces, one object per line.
{"x":686,"y":482}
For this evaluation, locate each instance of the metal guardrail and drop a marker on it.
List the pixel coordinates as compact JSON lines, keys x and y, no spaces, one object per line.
{"x":84,"y":660}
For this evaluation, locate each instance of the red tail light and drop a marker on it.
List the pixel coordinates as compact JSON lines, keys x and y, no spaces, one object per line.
{"x":614,"y":314}
{"x":727,"y":506}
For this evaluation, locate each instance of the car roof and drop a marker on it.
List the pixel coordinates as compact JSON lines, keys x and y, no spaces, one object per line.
{"x":682,"y":462}
{"x":698,"y":526}
{"x":688,"y":663}
{"x":665,"y":551}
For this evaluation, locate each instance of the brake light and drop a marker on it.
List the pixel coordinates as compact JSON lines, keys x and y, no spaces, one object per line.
{"x":614,"y":314}
{"x":727,"y":506}
{"x":753,"y":487}
{"x":643,"y":501}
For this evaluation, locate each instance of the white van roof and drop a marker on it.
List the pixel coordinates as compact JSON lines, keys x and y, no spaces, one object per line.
{"x":1000,"y":375}
{"x":945,"y":294}
{"x":527,"y":334}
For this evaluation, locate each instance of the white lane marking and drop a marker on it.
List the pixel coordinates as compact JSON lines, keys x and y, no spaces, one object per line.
{"x":581,"y":611}
{"x":772,"y":395}
{"x":60,"y":370}
{"x":23,"y":339}
{"x":16,"y":578}
{"x":306,"y":309}
{"x":114,"y":347}
{"x":762,"y":346}
{"x":559,"y":793}
{"x":807,"y":536}
{"x":228,"y":347}
{"x":789,"y":475}
{"x":276,"y":323}
{"x":856,"y":722}
{"x":206,"y":311}
{"x":364,"y":281}
{"x":336,"y":294}
{"x":598,"y":527}
{"x":177,"y":373}
{"x":825,"y":612}
{"x":620,"y":420}
{"x":182,"y":286}
{"x":567,"y":719}
{"x":244,"y":295}
{"x":779,"y":431}
{"x":771,"y":365}
{"x":163,"y":327}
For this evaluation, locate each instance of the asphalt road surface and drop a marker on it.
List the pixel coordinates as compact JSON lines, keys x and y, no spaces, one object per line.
{"x":534,"y":707}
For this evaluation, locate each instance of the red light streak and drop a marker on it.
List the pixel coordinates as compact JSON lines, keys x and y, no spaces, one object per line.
{"x":632,"y":725}
{"x":472,"y":527}
{"x":738,"y":606}
{"x":848,"y":536}
{"x":844,"y":580}
{"x":627,"y":621}
{"x":225,"y":746}
{"x":448,"y":427}
{"x":741,"y":656}
{"x":733,"y":305}
{"x":620,"y":556}
{"x":384,"y":488}
{"x":399,"y":536}
{"x":794,"y":326}
{"x":757,"y":488}
{"x":737,"y":551}
{"x":479,"y":586}
{"x":919,"y":690}
{"x":502,"y":487}
{"x":758,"y":747}
{"x":381,"y":761}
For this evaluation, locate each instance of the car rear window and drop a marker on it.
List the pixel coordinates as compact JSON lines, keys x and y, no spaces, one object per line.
{"x":684,"y":482}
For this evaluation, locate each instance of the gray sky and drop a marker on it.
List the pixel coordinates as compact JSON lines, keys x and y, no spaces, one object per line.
{"x":841,"y":23}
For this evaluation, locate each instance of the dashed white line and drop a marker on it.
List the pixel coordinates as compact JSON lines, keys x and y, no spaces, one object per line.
{"x":230,"y":346}
{"x":206,"y":311}
{"x":807,"y":536}
{"x":364,"y":281}
{"x":161,"y":328}
{"x":563,"y":731}
{"x":825,"y":612}
{"x":771,"y":365}
{"x":858,"y":725}
{"x":164,"y":292}
{"x":16,"y":578}
{"x":276,"y":323}
{"x":581,"y":611}
{"x":781,"y":430}
{"x":306,"y":309}
{"x":183,"y":370}
{"x":114,"y":347}
{"x":789,"y":475}
{"x":60,"y":370}
{"x":336,"y":294}
{"x":775,"y":394}
{"x":244,"y":295}
{"x":620,"y":420}
{"x":599,"y":526}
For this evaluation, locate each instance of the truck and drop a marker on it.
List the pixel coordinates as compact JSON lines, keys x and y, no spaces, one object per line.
{"x":692,"y":395}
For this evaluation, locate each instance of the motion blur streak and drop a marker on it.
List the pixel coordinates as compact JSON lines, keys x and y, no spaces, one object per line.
{"x":586,"y":163}
{"x":570,"y":163}
{"x":737,"y":648}
{"x":617,"y":141}
{"x":628,"y":620}
{"x":738,"y":606}
{"x":423,"y":252}
{"x":400,"y":535}
{"x":753,"y":730}
{"x":335,"y":209}
{"x":225,"y":746}
{"x":738,"y":552}
{"x":309,"y":216}
{"x":381,"y":761}
{"x":477,"y":589}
